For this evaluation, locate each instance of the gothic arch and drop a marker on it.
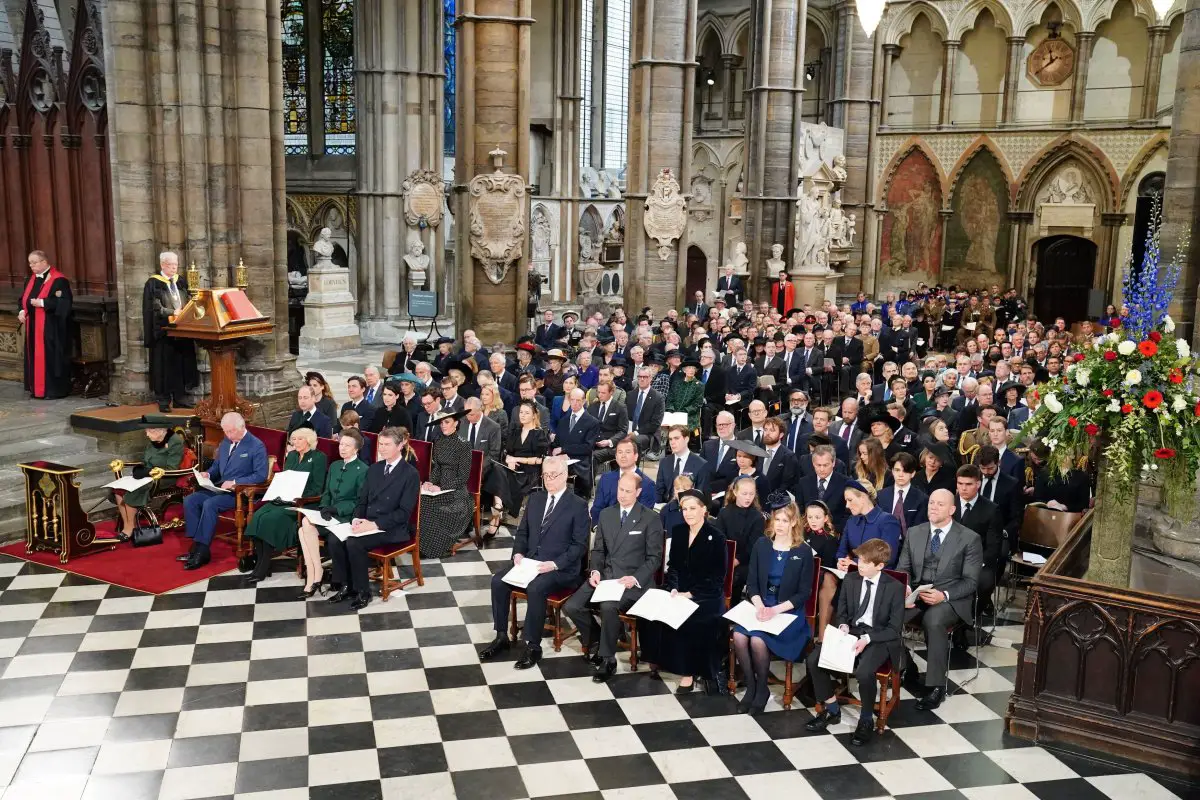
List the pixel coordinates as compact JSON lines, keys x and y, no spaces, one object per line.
{"x":1130,"y":179}
{"x":1032,"y":14}
{"x":709,"y":24}
{"x":1174,"y":12}
{"x":732,"y":165}
{"x":966,"y":19}
{"x":889,"y":171}
{"x":733,"y":30}
{"x":320,"y":217}
{"x":984,"y":142}
{"x":1091,"y":159}
{"x":297,"y":219}
{"x":821,"y":19}
{"x":904,"y":21}
{"x":700,"y":147}
{"x":1103,"y":11}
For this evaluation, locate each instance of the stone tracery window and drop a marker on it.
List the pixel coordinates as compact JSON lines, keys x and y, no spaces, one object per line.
{"x":319,"y":113}
{"x":295,"y":78}
{"x":616,"y":83}
{"x":449,"y":89}
{"x":338,"y":51}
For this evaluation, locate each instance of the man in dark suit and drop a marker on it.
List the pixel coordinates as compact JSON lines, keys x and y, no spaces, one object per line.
{"x":386,"y":505}
{"x":741,"y":379}
{"x":846,"y":426}
{"x":308,"y":415}
{"x":423,"y":427}
{"x":812,"y":364}
{"x":821,"y":424}
{"x":613,"y":422}
{"x":374,"y":388}
{"x":527,"y":390}
{"x":1002,"y":490}
{"x":882,"y":391}
{"x":948,"y":556}
{"x":554,"y":531}
{"x":981,"y":516}
{"x":679,"y":460}
{"x":482,"y":433}
{"x":812,"y":442}
{"x":779,"y":467}
{"x":547,"y":332}
{"x":712,"y":375}
{"x":576,"y":437}
{"x":793,"y":368}
{"x":628,"y":547}
{"x":240,"y":458}
{"x":1011,"y":464}
{"x":356,"y":387}
{"x":505,"y":378}
{"x":871,"y":607}
{"x":626,"y":452}
{"x":451,"y":399}
{"x":799,"y":421}
{"x":902,"y":500}
{"x":720,"y":456}
{"x":645,"y":408}
{"x":826,"y":485}
{"x":699,"y":307}
{"x":730,"y":285}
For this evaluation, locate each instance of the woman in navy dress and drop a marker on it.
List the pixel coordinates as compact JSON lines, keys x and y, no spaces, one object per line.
{"x":780,"y":582}
{"x":868,"y":521}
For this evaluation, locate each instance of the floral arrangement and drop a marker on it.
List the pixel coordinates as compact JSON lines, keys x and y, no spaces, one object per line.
{"x":1136,"y":392}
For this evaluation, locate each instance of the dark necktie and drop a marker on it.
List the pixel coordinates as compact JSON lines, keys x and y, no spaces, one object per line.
{"x":624,"y":516}
{"x":705,"y":379}
{"x":471,"y":435}
{"x":758,"y":437}
{"x":549,"y":509}
{"x":935,"y":544}
{"x":308,"y":416}
{"x":371,"y":395}
{"x":233,"y":447}
{"x":821,"y":489}
{"x":637,"y":409}
{"x":846,"y":431}
{"x":898,"y":513}
{"x":987,"y":490}
{"x":678,"y":466}
{"x":865,"y":602}
{"x":387,"y":470}
{"x":603,"y":412}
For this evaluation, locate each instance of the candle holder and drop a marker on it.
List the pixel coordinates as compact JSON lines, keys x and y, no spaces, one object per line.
{"x":193,"y":279}
{"x":239,"y":275}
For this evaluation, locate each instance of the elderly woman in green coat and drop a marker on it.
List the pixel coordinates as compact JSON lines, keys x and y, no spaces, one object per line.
{"x":687,"y":395}
{"x":273,"y":526}
{"x":165,"y":450}
{"x":346,"y":479}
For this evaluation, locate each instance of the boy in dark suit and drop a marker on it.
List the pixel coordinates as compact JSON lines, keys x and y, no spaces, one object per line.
{"x":553,"y":530}
{"x":871,"y":607}
{"x":679,"y":460}
{"x":911,"y":503}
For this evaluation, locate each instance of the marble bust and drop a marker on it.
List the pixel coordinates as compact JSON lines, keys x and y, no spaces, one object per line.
{"x":323,"y":247}
{"x":741,"y":264}
{"x":776,"y":263}
{"x":417,"y":261}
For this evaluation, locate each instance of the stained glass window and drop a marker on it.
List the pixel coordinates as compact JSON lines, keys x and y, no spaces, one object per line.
{"x":616,"y":83}
{"x":295,"y":79}
{"x":338,"y":44}
{"x":585,"y":84}
{"x":451,"y":56}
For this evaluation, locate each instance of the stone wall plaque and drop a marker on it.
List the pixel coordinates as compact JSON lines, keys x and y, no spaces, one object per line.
{"x":497,"y":212}
{"x":424,"y":198}
{"x":666,"y":212}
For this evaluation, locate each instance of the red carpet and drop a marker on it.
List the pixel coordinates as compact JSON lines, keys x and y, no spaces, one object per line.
{"x":147,"y":569}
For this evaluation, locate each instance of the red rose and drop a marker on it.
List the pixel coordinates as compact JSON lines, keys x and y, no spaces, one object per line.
{"x":1175,"y":377}
{"x":1125,"y":409}
{"x":1066,"y":381}
{"x":1072,"y":422}
{"x":1152,"y":399}
{"x":1107,"y":392}
{"x":1110,"y":355}
{"x":1197,"y":409}
{"x":1147,"y":349}
{"x":1164,"y":452}
{"x":1092,"y":429}
{"x":1115,"y":322}
{"x":1079,"y":357}
{"x":1155,"y":337}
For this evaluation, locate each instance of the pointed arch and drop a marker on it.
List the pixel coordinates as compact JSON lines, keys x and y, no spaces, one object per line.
{"x":733,"y":30}
{"x":1032,"y":14}
{"x":1090,"y":157}
{"x":1103,"y":11}
{"x":889,"y":171}
{"x":823,"y":21}
{"x":709,"y":24}
{"x":1130,"y":179}
{"x":966,"y":18}
{"x":984,"y":142}
{"x":1174,"y":12}
{"x":903,"y":23}
{"x":704,"y":148}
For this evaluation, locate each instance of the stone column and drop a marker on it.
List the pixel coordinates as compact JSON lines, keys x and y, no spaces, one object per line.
{"x":1083,"y":57}
{"x":883,"y":62}
{"x":1109,"y":269}
{"x":1012,"y":79}
{"x":399,"y":83}
{"x":662,"y":84}
{"x":1020,"y":254}
{"x":493,"y":112}
{"x":890,"y":53}
{"x":727,"y":63}
{"x":949,"y":56}
{"x":568,"y":111}
{"x":195,"y":103}
{"x":774,"y":135}
{"x":1158,"y":41}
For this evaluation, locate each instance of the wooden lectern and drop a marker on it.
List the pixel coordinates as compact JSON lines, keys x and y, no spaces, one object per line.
{"x":219,"y":320}
{"x":54,"y":520}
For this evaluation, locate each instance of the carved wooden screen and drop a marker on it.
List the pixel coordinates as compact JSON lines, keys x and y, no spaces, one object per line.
{"x":55,"y":179}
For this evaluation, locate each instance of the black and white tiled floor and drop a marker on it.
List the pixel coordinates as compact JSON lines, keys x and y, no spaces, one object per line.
{"x":221,"y":691}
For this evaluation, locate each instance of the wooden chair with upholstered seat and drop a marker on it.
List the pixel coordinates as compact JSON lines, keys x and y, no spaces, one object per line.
{"x":554,"y":605}
{"x":631,"y":622}
{"x":474,"y":487}
{"x":384,"y":555}
{"x":173,"y":485}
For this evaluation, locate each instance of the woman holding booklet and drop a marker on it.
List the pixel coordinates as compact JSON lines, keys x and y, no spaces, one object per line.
{"x":696,"y":570}
{"x":779,"y":582}
{"x":273,"y":526}
{"x":164,"y":449}
{"x":342,"y":487}
{"x":447,"y":509}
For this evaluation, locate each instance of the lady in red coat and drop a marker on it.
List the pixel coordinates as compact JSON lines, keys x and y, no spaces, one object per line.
{"x":783,"y":294}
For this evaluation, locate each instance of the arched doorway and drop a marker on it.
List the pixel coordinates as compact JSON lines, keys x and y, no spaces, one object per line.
{"x":1150,"y":190}
{"x":697,"y":272}
{"x":1066,"y":267}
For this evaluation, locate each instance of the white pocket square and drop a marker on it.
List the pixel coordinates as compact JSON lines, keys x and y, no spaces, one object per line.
{"x":635,"y":533}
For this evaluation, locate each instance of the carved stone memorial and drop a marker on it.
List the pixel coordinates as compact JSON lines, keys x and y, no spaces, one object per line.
{"x":666,"y":212}
{"x":497,"y":218}
{"x":424,"y":198}
{"x":329,"y":325}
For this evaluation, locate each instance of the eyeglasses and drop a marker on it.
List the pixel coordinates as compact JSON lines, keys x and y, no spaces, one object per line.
{"x":553,"y":475}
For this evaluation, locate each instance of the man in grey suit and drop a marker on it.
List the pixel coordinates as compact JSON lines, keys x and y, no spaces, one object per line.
{"x":628,"y":547}
{"x":613,"y":418}
{"x":482,"y":433}
{"x":949,"y":556}
{"x":374,"y":390}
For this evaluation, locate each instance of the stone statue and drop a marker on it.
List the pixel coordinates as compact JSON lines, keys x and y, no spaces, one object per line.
{"x":616,"y":231}
{"x":813,"y":229}
{"x":850,"y":230}
{"x":323,"y":247}
{"x":417,"y":261}
{"x":839,"y":168}
{"x":776,"y":263}
{"x":589,"y":249}
{"x":701,"y":191}
{"x":541,"y":234}
{"x":741,"y":264}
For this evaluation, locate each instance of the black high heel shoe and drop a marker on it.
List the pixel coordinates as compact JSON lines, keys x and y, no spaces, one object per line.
{"x":317,"y":588}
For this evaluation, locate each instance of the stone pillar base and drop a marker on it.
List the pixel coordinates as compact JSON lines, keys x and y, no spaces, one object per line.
{"x":323,"y":342}
{"x":329,"y":325}
{"x":810,"y":289}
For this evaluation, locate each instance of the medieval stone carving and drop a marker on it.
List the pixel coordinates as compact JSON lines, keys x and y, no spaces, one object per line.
{"x":589,"y":248}
{"x":594,"y":183}
{"x":543,"y":235}
{"x":417,"y":261}
{"x":497,"y":218}
{"x":839,"y":168}
{"x":424,"y":198}
{"x":666,"y":212}
{"x":812,"y":228}
{"x":739,"y":260}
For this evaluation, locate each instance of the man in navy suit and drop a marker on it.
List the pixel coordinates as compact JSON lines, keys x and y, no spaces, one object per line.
{"x":576,"y":437}
{"x":1002,"y":490}
{"x":741,"y":378}
{"x":793,"y":366}
{"x":1011,"y":464}
{"x":826,"y":485}
{"x":554,"y":531}
{"x":385,"y":502}
{"x":626,"y":453}
{"x":720,"y":456}
{"x":799,"y":423}
{"x":645,"y":408}
{"x":547,"y":332}
{"x":356,"y":387}
{"x":730,"y":285}
{"x":822,"y":420}
{"x":812,"y":359}
{"x":423,"y":426}
{"x":308,"y":415}
{"x":679,"y":461}
{"x":779,"y":467}
{"x":902,"y":500}
{"x":240,"y":458}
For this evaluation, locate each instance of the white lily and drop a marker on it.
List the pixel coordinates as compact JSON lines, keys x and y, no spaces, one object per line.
{"x":1051,"y":402}
{"x":1184,"y":350}
{"x":1114,"y":406}
{"x":1178,"y":404}
{"x":1168,"y":324}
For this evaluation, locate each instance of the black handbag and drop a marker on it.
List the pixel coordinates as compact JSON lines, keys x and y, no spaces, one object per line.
{"x":146,"y":531}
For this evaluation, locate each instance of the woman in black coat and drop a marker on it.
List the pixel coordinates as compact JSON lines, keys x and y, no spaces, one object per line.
{"x":741,"y":520}
{"x":937,"y":471}
{"x":392,"y":414}
{"x":696,"y":570}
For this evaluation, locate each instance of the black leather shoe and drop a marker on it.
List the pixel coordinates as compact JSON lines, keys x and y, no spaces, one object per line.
{"x":681,"y":689}
{"x":196,"y":562}
{"x":255,"y":579}
{"x":340,"y":595}
{"x":605,"y":670}
{"x":494,"y":648}
{"x":530,"y":658}
{"x":361,"y":601}
{"x":592,"y":656}
{"x":863,"y":733}
{"x":932,"y":700}
{"x":823,"y":720}
{"x":183,"y":557}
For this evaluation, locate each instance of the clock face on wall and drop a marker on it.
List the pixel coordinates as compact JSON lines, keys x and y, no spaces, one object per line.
{"x":1051,"y":62}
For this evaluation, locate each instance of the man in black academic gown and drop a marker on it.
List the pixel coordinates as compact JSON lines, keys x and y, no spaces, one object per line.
{"x":172,"y":361}
{"x":45,"y":311}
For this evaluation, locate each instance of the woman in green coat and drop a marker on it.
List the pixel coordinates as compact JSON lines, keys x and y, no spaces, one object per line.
{"x":346,"y":479}
{"x":687,"y":395}
{"x":273,"y":526}
{"x":165,"y":450}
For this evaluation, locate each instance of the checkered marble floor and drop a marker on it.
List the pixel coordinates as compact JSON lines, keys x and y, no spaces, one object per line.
{"x":222,"y":691}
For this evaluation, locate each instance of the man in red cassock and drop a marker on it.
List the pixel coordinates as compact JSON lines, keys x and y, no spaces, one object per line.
{"x":45,"y":311}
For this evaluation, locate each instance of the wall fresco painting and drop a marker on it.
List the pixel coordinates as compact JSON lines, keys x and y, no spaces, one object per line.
{"x":977,"y":234}
{"x":912,"y":230}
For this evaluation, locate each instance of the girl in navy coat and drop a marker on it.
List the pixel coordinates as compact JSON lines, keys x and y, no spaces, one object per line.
{"x":780,"y":582}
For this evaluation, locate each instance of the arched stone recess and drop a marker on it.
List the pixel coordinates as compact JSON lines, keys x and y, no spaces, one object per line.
{"x":902,"y":24}
{"x":1095,"y":14}
{"x":978,"y":231}
{"x":911,"y":232}
{"x":1031,"y":15}
{"x":902,"y":153}
{"x":1068,"y":146}
{"x":965,"y":19}
{"x":1129,"y":181}
{"x":984,"y":142}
